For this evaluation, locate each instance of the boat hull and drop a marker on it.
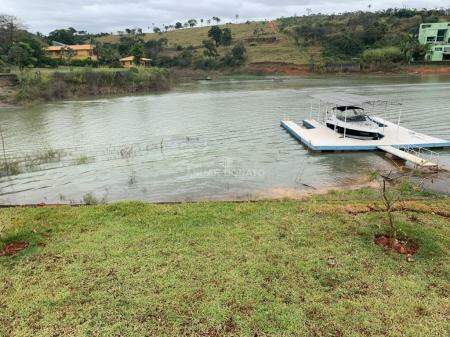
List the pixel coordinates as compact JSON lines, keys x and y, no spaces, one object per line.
{"x":355,"y":133}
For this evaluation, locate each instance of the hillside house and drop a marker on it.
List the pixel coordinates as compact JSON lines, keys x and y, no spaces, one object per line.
{"x":128,"y":62}
{"x":437,"y":36}
{"x":75,"y":52}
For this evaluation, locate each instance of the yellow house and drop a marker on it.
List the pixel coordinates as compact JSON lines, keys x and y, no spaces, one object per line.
{"x":79,"y":52}
{"x":128,"y":62}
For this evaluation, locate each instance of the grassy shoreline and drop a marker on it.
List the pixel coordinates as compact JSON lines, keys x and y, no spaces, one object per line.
{"x":224,"y":269}
{"x":38,"y":85}
{"x":44,"y":85}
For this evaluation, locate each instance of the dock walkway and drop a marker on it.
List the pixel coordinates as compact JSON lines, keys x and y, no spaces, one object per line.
{"x":408,"y":157}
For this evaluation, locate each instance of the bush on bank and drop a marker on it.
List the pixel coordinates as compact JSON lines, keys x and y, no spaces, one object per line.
{"x":382,"y":56}
{"x":37,"y":86}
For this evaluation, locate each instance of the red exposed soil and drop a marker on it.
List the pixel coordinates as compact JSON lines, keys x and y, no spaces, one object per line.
{"x":423,"y":70}
{"x":405,"y":247}
{"x":271,"y":68}
{"x":290,"y":69}
{"x":13,"y":248}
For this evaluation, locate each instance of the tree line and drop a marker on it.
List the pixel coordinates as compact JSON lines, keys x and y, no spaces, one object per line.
{"x":23,"y":49}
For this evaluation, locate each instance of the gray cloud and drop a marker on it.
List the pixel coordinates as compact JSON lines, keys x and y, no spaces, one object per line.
{"x":113,"y":15}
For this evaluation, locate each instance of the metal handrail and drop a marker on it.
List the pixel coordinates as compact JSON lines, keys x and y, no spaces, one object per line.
{"x":431,"y":156}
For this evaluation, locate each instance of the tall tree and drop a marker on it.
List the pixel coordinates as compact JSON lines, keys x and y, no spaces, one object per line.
{"x":66,"y":36}
{"x":67,"y":53}
{"x":21,"y":54}
{"x":226,"y":37}
{"x":215,"y":33}
{"x":138,"y":52}
{"x":192,"y":22}
{"x":9,"y":28}
{"x":108,"y":54}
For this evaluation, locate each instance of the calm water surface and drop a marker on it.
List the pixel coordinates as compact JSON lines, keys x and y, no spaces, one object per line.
{"x":207,"y":140}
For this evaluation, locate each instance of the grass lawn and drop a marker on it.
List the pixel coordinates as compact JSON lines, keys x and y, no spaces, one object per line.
{"x":286,"y":268}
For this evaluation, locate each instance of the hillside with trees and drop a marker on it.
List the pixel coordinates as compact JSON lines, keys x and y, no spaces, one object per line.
{"x":390,"y":35}
{"x":381,"y":38}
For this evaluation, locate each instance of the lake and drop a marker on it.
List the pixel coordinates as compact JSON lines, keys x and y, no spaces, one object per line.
{"x":205,"y":140}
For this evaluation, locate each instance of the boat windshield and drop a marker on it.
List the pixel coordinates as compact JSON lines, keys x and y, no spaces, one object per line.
{"x":353,"y":113}
{"x":354,"y":118}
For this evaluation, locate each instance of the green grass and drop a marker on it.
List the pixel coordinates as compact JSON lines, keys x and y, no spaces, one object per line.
{"x":223,"y":269}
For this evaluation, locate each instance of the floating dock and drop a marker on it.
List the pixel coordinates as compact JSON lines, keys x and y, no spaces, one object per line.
{"x":397,"y":140}
{"x":318,"y":137}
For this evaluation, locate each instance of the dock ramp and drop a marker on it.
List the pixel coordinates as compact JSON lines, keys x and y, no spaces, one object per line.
{"x":416,"y":160}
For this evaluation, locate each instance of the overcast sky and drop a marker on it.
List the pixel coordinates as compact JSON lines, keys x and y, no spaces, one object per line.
{"x":113,"y":15}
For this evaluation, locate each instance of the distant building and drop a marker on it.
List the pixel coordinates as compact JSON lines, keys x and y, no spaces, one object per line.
{"x":78,"y":51}
{"x":128,"y":62}
{"x":437,"y":36}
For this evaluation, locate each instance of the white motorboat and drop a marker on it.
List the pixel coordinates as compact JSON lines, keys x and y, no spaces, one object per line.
{"x":354,"y":123}
{"x":349,"y":118}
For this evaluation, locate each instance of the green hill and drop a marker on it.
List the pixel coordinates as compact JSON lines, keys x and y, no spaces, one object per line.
{"x":316,"y":38}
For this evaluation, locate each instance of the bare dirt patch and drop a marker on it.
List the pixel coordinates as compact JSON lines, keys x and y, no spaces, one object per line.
{"x":414,"y":206}
{"x":425,"y":70}
{"x":272,"y":68}
{"x":405,"y":247}
{"x":13,"y":248}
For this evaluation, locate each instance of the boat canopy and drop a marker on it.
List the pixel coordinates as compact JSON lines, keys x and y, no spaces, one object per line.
{"x":348,"y":101}
{"x":345,"y":108}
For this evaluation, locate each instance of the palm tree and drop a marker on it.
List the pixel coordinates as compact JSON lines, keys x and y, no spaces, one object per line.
{"x":237,"y":17}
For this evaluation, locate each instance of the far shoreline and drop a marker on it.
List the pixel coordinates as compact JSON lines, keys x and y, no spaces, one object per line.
{"x":179,"y":76}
